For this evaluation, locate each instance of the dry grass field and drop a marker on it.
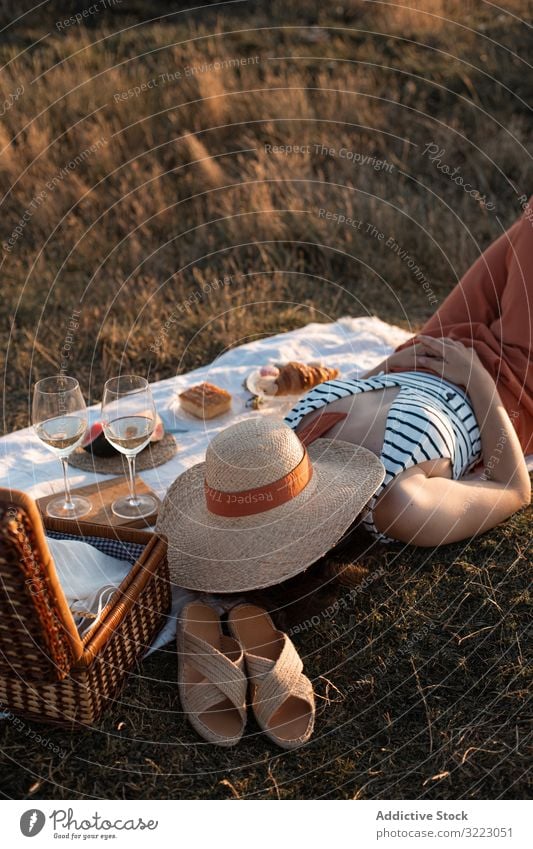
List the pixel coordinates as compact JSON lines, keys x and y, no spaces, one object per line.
{"x":146,"y":151}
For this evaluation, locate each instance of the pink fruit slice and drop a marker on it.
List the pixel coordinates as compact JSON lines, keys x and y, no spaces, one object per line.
{"x":95,"y":442}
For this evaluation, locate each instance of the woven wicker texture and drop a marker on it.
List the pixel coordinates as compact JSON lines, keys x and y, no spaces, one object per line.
{"x":34,"y":642}
{"x":251,"y":453}
{"x":211,"y":676}
{"x":220,"y":554}
{"x":155,"y":454}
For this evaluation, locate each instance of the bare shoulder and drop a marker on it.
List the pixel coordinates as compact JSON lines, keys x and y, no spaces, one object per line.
{"x":408,"y":485}
{"x":403,"y":508}
{"x":404,"y":492}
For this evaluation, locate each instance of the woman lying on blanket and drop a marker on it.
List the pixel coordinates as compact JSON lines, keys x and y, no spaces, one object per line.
{"x":450,"y":412}
{"x":428,"y":448}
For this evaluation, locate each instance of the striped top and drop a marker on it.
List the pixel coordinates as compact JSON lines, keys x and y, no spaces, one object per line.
{"x":429,"y":419}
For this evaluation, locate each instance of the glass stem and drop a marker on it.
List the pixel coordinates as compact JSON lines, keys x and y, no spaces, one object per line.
{"x":68,"y":499}
{"x":131,"y":470}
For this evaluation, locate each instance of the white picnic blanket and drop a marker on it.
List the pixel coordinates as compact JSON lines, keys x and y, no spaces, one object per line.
{"x":353,"y":345}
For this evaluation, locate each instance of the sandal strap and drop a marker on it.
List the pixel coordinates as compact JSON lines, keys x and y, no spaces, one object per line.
{"x":276,"y":680}
{"x":225,"y":677}
{"x":204,"y":696}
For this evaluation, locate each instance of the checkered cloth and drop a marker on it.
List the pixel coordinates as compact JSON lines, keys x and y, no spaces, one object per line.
{"x":113,"y":547}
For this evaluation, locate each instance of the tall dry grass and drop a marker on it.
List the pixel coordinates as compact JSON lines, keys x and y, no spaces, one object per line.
{"x":180,"y":189}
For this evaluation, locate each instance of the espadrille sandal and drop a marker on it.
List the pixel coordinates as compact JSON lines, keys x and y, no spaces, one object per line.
{"x":211,"y":677}
{"x":282,"y":697}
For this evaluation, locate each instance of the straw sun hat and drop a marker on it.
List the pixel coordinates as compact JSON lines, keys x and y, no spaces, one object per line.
{"x":262,"y":507}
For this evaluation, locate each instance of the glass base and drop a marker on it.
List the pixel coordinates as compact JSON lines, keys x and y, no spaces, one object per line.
{"x":138,"y":508}
{"x":75,"y":509}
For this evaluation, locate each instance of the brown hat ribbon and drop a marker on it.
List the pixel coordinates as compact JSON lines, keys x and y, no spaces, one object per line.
{"x":247,"y":502}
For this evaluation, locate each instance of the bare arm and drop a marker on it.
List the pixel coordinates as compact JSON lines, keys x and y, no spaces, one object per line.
{"x":430,"y":511}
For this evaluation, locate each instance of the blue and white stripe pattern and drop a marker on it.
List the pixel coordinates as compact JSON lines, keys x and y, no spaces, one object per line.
{"x":428,"y":419}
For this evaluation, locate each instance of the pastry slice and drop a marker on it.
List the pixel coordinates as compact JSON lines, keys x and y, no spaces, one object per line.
{"x":205,"y":401}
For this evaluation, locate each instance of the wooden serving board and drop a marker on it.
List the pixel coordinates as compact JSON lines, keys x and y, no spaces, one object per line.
{"x":101,"y":495}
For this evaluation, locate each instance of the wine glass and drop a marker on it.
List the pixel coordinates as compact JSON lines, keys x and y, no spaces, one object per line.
{"x":59,"y":418}
{"x":128,"y":419}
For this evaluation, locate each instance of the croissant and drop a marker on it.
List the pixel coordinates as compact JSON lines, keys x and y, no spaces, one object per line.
{"x":295,"y":378}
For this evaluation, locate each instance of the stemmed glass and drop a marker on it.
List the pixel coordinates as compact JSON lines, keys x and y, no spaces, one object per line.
{"x":128,"y":419}
{"x":59,"y":418}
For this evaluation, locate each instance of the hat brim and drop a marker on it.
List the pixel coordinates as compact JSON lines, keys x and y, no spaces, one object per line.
{"x":213,"y":553}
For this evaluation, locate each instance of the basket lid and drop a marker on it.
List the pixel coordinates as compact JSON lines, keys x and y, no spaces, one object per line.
{"x":38,"y":636}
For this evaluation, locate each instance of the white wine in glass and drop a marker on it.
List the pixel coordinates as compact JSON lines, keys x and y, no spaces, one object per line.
{"x":128,"y":418}
{"x":59,"y":418}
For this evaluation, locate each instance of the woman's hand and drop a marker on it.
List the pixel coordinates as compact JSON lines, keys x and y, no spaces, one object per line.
{"x":452,"y":360}
{"x":448,"y":358}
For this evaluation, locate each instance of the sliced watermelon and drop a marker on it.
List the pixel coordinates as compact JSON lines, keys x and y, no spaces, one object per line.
{"x":159,"y":430}
{"x":95,"y":442}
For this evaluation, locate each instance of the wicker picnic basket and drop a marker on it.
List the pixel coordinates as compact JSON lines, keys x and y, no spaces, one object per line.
{"x":47,"y":672}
